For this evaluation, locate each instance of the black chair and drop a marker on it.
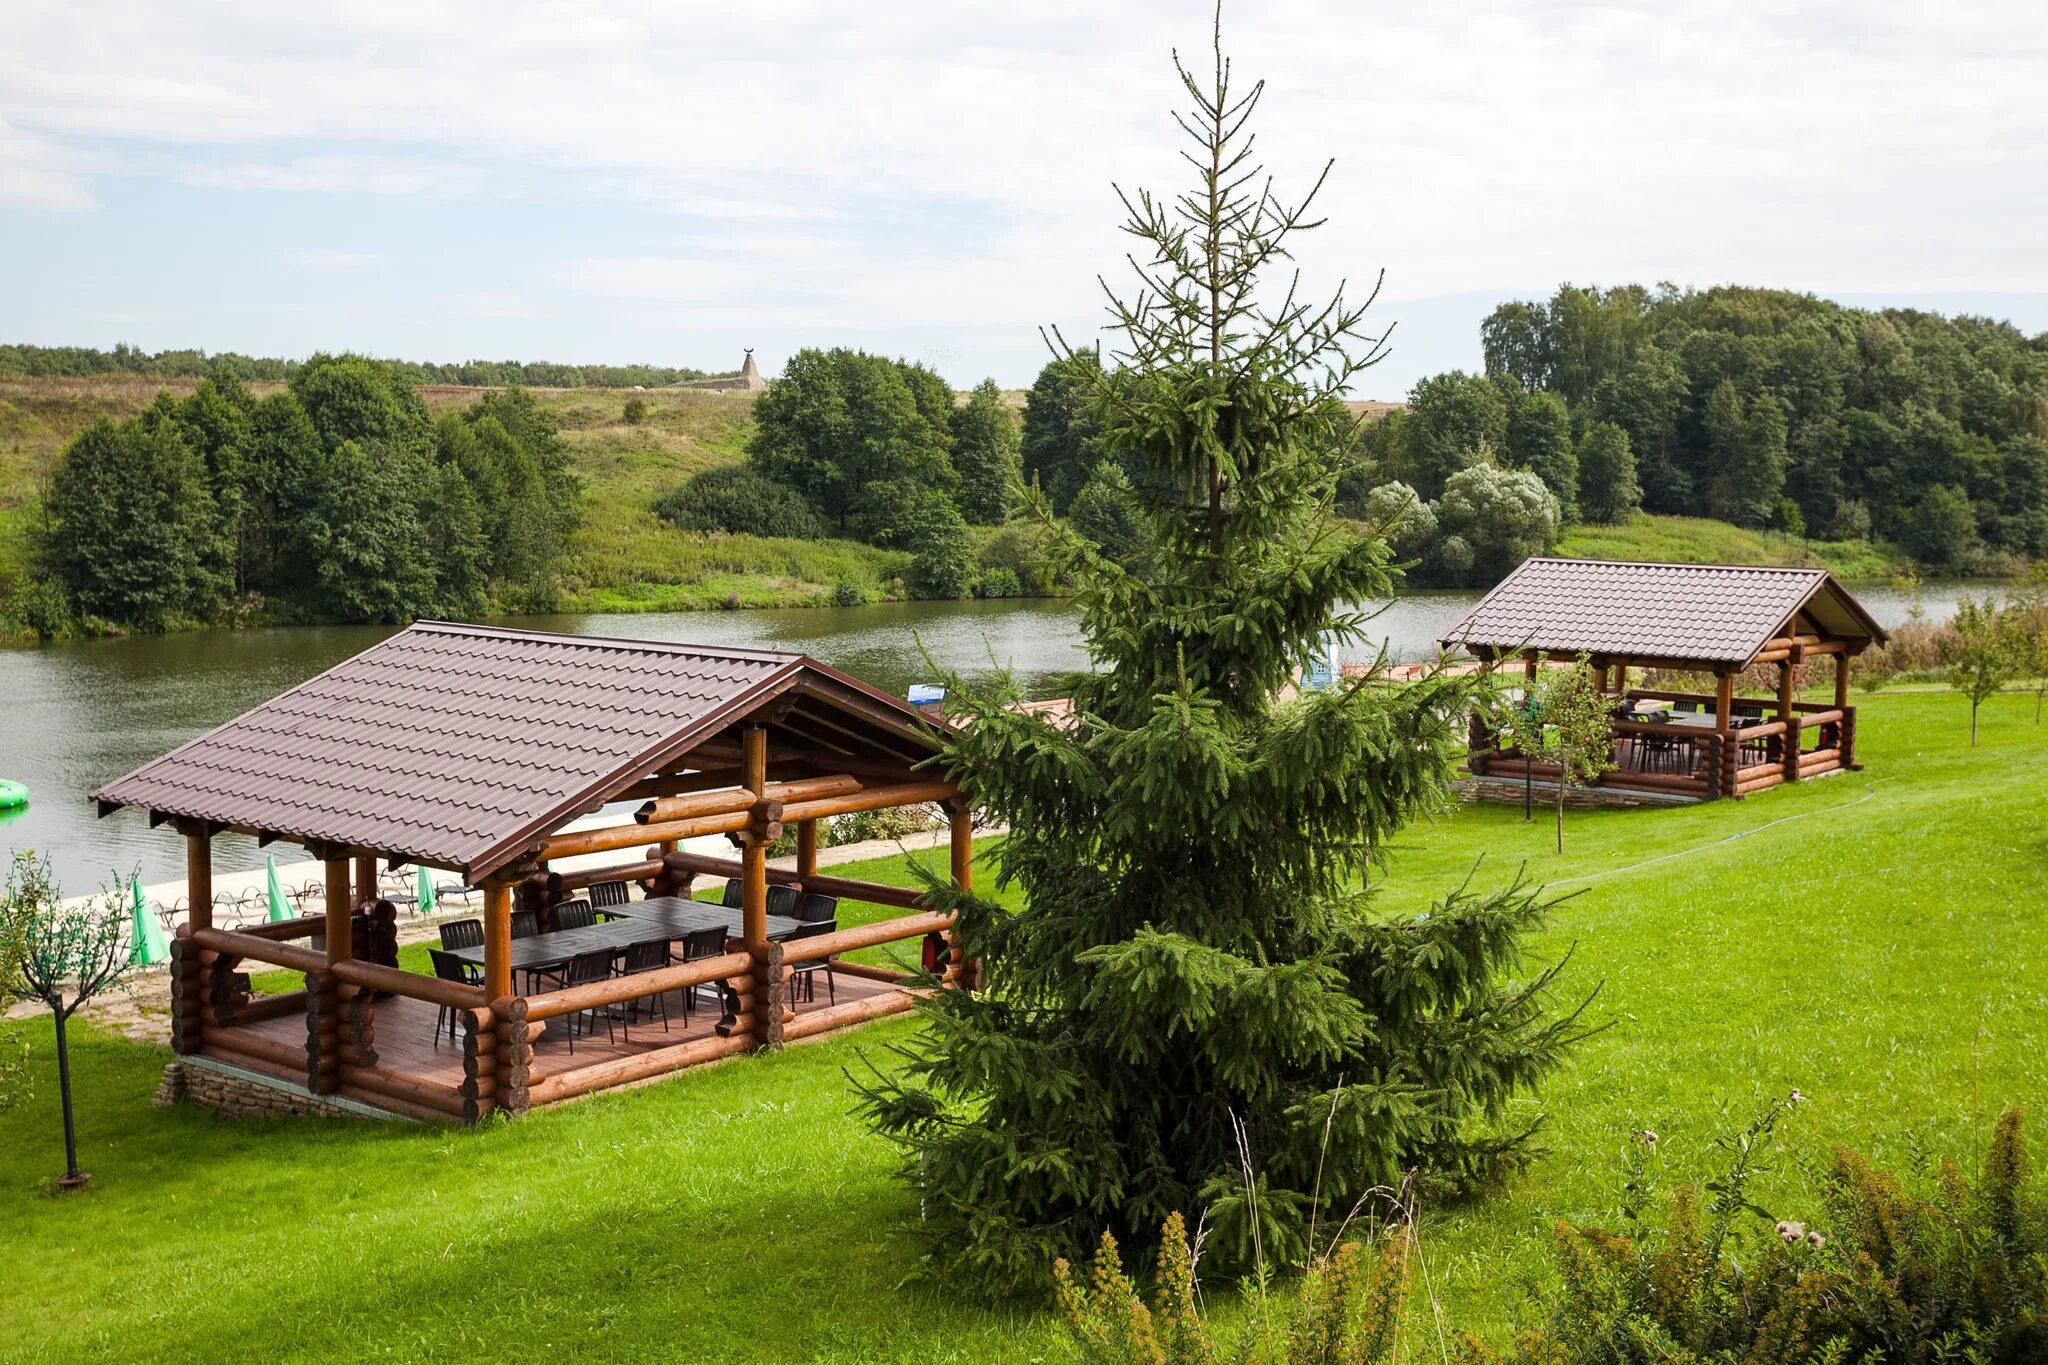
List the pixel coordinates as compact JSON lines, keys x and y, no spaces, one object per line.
{"x":816,"y":906}
{"x":604,"y":895}
{"x":448,"y":967}
{"x":697,"y":944}
{"x":805,"y":974}
{"x":463,"y":933}
{"x":735,"y":893}
{"x":782,"y":899}
{"x":585,"y":968}
{"x":574,"y":915}
{"x":525,"y":923}
{"x":646,"y":957}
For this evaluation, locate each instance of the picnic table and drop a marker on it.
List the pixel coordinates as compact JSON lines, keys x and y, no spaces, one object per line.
{"x":656,"y":920}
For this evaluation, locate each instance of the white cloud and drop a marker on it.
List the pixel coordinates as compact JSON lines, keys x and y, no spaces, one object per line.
{"x":31,"y":174}
{"x":928,"y":163}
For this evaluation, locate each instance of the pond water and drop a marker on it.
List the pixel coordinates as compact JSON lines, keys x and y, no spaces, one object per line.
{"x":74,"y":716}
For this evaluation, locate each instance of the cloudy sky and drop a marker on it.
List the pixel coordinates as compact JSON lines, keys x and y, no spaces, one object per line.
{"x":670,"y":182}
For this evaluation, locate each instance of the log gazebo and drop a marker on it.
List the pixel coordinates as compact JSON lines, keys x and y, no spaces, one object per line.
{"x":469,"y":749}
{"x":1718,"y":620}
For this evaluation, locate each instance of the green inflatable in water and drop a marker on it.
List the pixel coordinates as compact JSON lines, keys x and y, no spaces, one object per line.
{"x":12,"y":794}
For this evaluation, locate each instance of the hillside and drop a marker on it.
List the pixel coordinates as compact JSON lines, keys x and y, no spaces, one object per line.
{"x":623,"y":559}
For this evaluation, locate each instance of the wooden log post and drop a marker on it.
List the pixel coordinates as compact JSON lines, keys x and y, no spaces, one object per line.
{"x":960,"y":844}
{"x":497,"y":940}
{"x":1847,"y":741}
{"x":365,"y":878}
{"x":323,"y":1032}
{"x":1788,"y":752}
{"x":188,"y":993}
{"x":754,"y":841}
{"x":479,"y":1089}
{"x":806,"y":849}
{"x":513,"y":1061}
{"x":1724,"y":714}
{"x":198,"y":877}
{"x":359,"y":1027}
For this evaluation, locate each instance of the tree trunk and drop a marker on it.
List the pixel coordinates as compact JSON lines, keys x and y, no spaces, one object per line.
{"x":71,"y":1174}
{"x":1974,"y":704}
{"x":1560,"y":808}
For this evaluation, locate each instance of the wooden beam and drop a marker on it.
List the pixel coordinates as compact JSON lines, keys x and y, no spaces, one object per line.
{"x":1724,"y":701}
{"x":873,"y":798}
{"x":1841,"y":682}
{"x":666,"y":809}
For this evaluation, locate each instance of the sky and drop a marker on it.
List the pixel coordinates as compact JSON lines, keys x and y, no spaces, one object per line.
{"x":672,"y":182}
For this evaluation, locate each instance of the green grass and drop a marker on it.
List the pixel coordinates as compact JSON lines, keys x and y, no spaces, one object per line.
{"x":1698,"y":540}
{"x":1885,"y":952}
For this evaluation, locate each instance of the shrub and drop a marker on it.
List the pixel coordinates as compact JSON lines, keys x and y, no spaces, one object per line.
{"x":847,"y":593}
{"x":891,"y":823}
{"x":998,"y":583}
{"x":737,"y":499}
{"x":1349,"y":1307}
{"x":1876,"y":1273}
{"x":1019,"y":547}
{"x":636,"y":411}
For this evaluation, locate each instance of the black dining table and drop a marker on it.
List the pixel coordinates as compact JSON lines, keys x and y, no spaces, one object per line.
{"x":655,"y":920}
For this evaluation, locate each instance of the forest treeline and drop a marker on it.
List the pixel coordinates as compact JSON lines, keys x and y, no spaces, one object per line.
{"x":337,"y":498}
{"x":83,"y":362}
{"x":1762,"y":408}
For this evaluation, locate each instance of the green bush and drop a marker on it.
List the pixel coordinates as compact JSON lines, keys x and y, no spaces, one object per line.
{"x":847,"y":593}
{"x":998,"y":583}
{"x":942,"y":551}
{"x":737,"y":499}
{"x":1875,"y":1273}
{"x":636,"y":411}
{"x":1019,"y":547}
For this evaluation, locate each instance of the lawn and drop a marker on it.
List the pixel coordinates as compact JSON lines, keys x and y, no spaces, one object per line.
{"x":1876,"y":939}
{"x":1700,"y":540}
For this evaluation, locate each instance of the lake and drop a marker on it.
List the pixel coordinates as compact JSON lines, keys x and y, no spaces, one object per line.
{"x":79,"y":714}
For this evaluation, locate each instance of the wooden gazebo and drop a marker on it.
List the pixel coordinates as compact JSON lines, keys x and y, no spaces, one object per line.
{"x":1718,"y":620}
{"x":469,"y":749}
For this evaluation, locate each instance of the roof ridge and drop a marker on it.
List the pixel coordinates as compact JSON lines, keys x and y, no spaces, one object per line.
{"x":1674,"y":564}
{"x":433,"y":627}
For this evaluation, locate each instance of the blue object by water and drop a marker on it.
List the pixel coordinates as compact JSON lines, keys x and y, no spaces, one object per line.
{"x":923,"y":694}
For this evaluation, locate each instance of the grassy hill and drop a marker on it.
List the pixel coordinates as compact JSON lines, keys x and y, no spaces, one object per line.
{"x":1698,"y":540}
{"x":1871,"y":939}
{"x":623,"y":559}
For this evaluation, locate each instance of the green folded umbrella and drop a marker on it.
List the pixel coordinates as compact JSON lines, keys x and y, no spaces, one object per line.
{"x":280,"y":908}
{"x":147,"y":940}
{"x":426,"y":897}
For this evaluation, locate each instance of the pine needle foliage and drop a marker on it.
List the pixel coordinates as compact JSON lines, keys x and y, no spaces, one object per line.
{"x":1195,"y":982}
{"x":1881,"y":1274}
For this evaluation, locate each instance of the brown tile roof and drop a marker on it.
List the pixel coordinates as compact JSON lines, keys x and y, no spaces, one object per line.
{"x":458,"y":744}
{"x":1705,"y":613}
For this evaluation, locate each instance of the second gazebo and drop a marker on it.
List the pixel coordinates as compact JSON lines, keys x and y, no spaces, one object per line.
{"x":1718,"y":620}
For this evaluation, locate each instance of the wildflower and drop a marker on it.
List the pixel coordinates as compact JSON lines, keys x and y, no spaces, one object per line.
{"x":1815,"y":1240}
{"x":1788,"y":1232}
{"x":1647,"y":1137}
{"x":1795,"y":1097}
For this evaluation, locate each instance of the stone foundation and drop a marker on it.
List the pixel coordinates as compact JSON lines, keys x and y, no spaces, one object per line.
{"x":235,"y":1092}
{"x":1508,"y":791}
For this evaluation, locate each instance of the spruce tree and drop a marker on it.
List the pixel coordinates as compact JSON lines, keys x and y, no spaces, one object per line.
{"x":1195,"y":982}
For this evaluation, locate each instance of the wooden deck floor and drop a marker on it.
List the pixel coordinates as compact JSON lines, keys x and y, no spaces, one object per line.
{"x":407,"y":1044}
